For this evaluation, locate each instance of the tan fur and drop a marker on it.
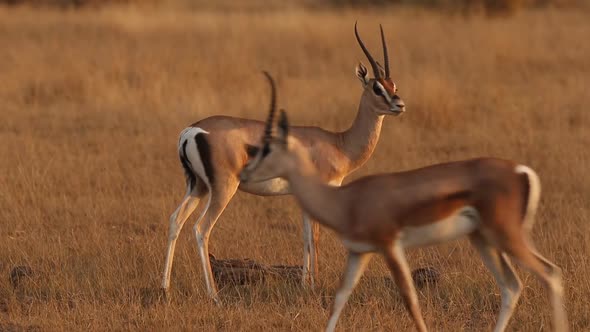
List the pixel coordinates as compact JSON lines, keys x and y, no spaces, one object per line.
{"x":334,"y":155}
{"x":479,"y":197}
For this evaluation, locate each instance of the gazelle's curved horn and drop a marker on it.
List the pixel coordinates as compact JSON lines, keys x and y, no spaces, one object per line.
{"x":369,"y":57}
{"x":273,"y":106}
{"x":283,"y":125}
{"x":385,"y":55}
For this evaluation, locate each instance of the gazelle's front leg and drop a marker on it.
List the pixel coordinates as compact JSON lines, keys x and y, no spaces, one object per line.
{"x":356,"y":265}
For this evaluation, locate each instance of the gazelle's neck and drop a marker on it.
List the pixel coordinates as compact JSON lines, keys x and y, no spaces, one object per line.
{"x":321,"y":201}
{"x":359,"y":141}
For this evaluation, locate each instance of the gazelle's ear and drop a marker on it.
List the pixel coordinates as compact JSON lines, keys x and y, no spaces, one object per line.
{"x":283,"y":126}
{"x":362,"y":73}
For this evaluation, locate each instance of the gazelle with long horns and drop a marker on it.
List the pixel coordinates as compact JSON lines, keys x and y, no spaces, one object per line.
{"x":492,"y":201}
{"x":214,"y":150}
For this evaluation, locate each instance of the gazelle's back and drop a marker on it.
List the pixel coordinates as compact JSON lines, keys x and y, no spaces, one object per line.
{"x":425,"y":195}
{"x":227,"y":135}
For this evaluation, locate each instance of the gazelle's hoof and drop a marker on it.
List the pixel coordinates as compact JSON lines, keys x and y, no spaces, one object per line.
{"x":217,"y":301}
{"x":164,"y":297}
{"x":308,"y":284}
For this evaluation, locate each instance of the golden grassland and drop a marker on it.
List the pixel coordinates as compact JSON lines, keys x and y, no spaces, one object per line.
{"x":92,"y":103}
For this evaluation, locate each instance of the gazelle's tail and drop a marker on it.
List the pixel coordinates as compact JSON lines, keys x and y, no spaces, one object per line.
{"x":534,"y":195}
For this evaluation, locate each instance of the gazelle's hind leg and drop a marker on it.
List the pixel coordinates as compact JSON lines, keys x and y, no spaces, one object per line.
{"x":219,"y":197}
{"x":505,"y":276}
{"x":397,"y":263}
{"x":177,"y":220}
{"x":315,"y":235}
{"x":556,"y":286}
{"x":311,"y":238}
{"x":526,"y":256}
{"x":310,"y":253}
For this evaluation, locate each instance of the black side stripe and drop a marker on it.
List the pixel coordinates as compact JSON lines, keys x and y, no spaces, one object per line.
{"x":191,"y":179}
{"x":205,"y":153}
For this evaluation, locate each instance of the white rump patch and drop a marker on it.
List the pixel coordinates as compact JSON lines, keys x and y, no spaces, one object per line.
{"x":192,"y":153}
{"x":190,"y":132}
{"x":463,"y":222}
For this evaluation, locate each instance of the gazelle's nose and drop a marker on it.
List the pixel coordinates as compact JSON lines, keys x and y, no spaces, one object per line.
{"x":399,"y":103}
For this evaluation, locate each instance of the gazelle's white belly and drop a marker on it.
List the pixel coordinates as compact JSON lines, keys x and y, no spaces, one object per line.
{"x":459,"y":224}
{"x":271,"y":187}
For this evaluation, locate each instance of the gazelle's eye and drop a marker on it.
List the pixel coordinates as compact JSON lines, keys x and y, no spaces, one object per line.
{"x":251,"y":150}
{"x":377,"y":89}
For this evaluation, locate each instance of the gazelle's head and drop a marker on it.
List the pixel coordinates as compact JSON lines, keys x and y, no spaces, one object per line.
{"x":380,"y":92}
{"x":271,"y":159}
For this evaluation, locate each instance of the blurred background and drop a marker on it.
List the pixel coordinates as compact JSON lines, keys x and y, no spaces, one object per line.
{"x":93,"y":95}
{"x":464,"y":6}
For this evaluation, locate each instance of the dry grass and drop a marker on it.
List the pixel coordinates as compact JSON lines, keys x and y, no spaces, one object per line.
{"x":92,"y":103}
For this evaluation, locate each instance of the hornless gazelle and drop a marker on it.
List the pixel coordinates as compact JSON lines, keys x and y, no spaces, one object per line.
{"x":214,"y":150}
{"x":492,"y":201}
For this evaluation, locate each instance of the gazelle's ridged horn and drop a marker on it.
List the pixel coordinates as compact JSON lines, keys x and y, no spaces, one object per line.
{"x":385,"y":55}
{"x":273,"y":106}
{"x":369,"y":57}
{"x":283,"y":124}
